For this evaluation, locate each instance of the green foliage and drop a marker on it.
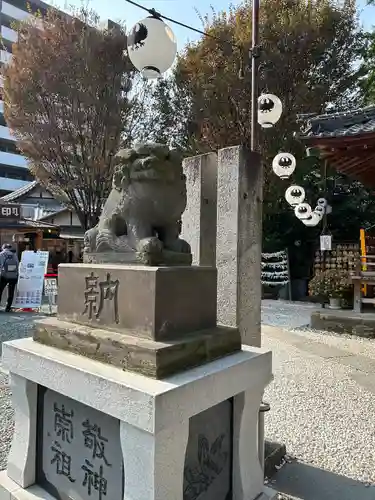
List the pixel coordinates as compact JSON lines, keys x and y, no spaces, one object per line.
{"x":307,"y":59}
{"x":367,"y":82}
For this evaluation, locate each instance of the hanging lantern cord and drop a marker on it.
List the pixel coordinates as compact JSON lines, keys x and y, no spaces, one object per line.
{"x":254,"y":54}
{"x":158,"y":15}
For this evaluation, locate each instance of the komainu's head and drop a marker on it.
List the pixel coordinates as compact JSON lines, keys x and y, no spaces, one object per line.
{"x":147,"y":162}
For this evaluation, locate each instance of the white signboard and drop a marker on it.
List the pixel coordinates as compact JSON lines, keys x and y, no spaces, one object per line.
{"x":50,"y":290}
{"x":33,"y":267}
{"x":50,"y":286}
{"x":326,"y":242}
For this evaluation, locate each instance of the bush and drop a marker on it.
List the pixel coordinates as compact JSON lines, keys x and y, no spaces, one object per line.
{"x":332,"y":283}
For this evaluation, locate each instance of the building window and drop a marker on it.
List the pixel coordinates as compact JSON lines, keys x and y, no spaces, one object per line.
{"x":9,"y":147}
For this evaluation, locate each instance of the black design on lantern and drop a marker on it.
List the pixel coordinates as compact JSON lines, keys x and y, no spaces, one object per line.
{"x":266,"y":105}
{"x":137,"y":37}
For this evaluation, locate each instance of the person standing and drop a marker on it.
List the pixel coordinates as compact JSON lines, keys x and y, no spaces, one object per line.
{"x":8,"y":273}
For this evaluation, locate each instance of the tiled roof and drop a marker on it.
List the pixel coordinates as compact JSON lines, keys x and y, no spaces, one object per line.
{"x":28,"y":224}
{"x":15,"y":195}
{"x":344,"y":124}
{"x":38,"y":224}
{"x":53,"y":214}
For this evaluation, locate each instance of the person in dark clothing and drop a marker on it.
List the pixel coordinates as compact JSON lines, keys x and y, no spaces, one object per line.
{"x":8,"y":273}
{"x":56,"y":260}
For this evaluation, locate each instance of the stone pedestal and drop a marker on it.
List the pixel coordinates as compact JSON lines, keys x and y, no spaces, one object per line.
{"x":156,"y":321}
{"x":193,"y":435}
{"x":134,"y":393}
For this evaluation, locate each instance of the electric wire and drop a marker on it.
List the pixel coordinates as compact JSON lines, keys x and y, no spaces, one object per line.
{"x":157,"y":14}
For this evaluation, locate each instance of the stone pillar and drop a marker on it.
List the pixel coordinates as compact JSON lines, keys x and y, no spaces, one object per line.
{"x":22,"y":456}
{"x":199,"y":218}
{"x":239,"y":241}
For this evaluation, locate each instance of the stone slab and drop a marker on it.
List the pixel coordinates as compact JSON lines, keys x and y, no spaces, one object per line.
{"x":157,"y":303}
{"x":273,"y":456}
{"x":165,"y":258}
{"x":105,"y":387}
{"x":148,"y":357}
{"x":303,"y":481}
{"x":344,"y":321}
{"x":79,"y":450}
{"x":209,"y":460}
{"x":9,"y":490}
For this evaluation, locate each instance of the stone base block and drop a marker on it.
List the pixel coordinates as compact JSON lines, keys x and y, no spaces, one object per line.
{"x":193,"y":435}
{"x":269,"y":494}
{"x":273,"y":456}
{"x":344,"y":321}
{"x":9,"y":490}
{"x":165,"y":258}
{"x":148,"y":357}
{"x":157,"y":303}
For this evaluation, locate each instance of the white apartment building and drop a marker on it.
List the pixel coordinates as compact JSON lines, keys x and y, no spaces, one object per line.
{"x":14,"y":172}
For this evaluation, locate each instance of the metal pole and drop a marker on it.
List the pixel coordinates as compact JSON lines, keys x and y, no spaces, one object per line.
{"x":264,"y":407}
{"x":325,"y":195}
{"x":254,"y":74}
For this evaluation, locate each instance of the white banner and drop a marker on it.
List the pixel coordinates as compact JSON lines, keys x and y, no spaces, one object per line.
{"x":325,"y":242}
{"x":33,"y":267}
{"x":50,"y":286}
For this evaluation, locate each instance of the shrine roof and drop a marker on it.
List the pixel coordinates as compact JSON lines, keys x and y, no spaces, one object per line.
{"x":333,"y":125}
{"x":346,"y":140}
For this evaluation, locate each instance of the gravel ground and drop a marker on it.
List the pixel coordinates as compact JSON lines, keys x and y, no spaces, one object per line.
{"x":6,"y":420}
{"x":295,"y":317}
{"x":15,"y":326}
{"x":319,"y":411}
{"x":12,"y":326}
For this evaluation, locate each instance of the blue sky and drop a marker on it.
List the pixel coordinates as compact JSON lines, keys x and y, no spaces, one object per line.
{"x":182,"y":10}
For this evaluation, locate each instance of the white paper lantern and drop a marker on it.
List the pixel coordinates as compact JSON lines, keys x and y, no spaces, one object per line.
{"x":319,"y":210}
{"x":284,"y":165}
{"x":322,"y":202}
{"x":313,"y":220}
{"x":269,"y":110}
{"x":295,"y":195}
{"x":303,"y":211}
{"x":152,"y":47}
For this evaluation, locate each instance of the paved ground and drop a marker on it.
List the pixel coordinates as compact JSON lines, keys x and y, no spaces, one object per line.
{"x":322,"y":407}
{"x":286,"y":314}
{"x":322,"y":404}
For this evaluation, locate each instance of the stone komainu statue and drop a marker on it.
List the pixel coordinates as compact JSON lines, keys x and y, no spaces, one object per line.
{"x":141,"y":217}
